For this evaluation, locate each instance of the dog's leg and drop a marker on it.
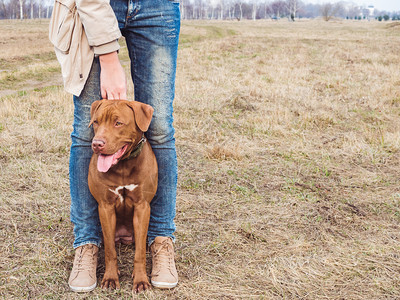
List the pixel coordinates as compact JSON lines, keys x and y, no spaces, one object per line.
{"x":141,"y":217}
{"x":108,"y":221}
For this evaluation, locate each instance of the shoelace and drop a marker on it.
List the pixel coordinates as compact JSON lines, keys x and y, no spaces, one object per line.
{"x":163,"y":257}
{"x":87,"y":264}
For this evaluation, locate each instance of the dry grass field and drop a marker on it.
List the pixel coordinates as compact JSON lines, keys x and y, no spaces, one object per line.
{"x":288,"y":138}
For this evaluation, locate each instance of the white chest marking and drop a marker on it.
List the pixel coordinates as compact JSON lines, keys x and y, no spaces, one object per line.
{"x":129,"y":187}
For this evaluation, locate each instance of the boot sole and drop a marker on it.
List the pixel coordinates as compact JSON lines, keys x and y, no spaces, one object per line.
{"x":83,"y":289}
{"x":164,"y":285}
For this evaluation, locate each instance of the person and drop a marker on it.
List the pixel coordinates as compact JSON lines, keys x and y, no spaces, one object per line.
{"x":91,"y":69}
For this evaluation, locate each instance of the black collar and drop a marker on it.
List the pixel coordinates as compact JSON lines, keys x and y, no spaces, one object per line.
{"x":136,"y":151}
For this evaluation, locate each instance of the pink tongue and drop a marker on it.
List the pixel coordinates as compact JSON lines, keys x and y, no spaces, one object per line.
{"x":105,"y":162}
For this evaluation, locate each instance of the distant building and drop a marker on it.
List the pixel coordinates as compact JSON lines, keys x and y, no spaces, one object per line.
{"x":367,"y":12}
{"x":371,"y":10}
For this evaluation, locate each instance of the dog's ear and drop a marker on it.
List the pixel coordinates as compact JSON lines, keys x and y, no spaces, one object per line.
{"x":143,"y":114}
{"x":95,"y":106}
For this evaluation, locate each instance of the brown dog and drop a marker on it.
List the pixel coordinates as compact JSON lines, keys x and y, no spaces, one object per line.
{"x":123,"y":179}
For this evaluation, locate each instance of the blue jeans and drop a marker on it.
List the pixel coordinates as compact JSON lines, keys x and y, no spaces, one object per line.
{"x":151,"y":29}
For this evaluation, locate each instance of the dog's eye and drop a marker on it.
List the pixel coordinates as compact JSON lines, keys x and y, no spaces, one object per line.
{"x":95,"y":122}
{"x":118,"y":123}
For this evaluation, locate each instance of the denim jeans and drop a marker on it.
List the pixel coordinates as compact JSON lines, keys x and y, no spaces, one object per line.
{"x":151,"y":29}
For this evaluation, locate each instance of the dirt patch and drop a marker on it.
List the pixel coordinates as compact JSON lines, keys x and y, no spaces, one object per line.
{"x":30,"y":85}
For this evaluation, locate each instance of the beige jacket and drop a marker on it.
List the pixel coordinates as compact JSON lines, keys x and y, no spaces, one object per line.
{"x":79,"y":30}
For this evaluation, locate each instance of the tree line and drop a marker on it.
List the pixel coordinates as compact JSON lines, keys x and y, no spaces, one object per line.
{"x":25,"y":9}
{"x":222,"y":10}
{"x":267,"y":9}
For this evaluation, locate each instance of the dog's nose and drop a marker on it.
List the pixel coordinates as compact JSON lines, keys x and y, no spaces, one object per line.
{"x":98,"y":145}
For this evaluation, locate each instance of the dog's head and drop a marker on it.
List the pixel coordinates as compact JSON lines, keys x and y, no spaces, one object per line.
{"x":118,"y":126}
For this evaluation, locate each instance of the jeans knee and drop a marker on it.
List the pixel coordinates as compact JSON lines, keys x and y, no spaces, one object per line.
{"x":81,"y":136}
{"x":161,"y":133}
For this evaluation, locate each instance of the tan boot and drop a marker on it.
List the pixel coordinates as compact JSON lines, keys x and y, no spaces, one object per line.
{"x":83,"y":274}
{"x":163,"y":275}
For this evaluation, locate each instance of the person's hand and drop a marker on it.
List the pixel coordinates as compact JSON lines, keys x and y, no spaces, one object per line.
{"x":112,"y":77}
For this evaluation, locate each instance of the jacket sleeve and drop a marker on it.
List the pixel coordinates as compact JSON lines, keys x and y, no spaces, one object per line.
{"x":100,"y":24}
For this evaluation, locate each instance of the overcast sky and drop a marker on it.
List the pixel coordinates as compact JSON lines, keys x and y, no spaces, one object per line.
{"x":389,"y":5}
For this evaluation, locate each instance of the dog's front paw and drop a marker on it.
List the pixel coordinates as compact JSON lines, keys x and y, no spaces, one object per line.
{"x":140,"y":284}
{"x":110,"y":281}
